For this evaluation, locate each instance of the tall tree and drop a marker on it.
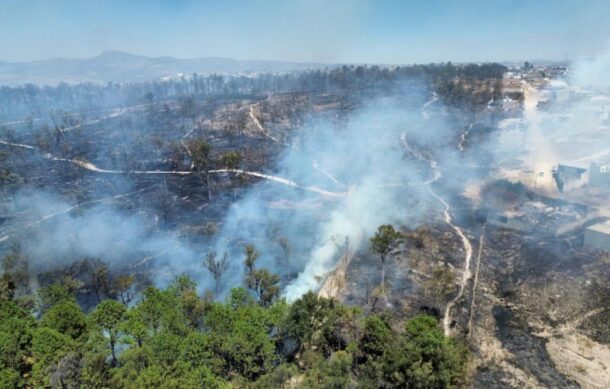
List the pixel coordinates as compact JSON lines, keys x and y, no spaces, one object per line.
{"x":67,"y":318}
{"x":423,"y":357}
{"x":188,"y":108}
{"x":385,"y":240}
{"x":108,"y":316}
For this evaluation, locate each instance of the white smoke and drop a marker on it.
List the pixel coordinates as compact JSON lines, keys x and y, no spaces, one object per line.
{"x":593,"y":73}
{"x":366,"y":156}
{"x":59,"y":233}
{"x":565,"y":121}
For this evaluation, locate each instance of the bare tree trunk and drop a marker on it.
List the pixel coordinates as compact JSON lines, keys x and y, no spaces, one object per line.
{"x":207,"y":184}
{"x":114,"y":361}
{"x":96,"y":289}
{"x":382,"y":274}
{"x":233,"y":188}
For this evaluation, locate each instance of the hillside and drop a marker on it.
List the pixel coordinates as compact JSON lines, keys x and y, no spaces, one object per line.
{"x":116,"y":66}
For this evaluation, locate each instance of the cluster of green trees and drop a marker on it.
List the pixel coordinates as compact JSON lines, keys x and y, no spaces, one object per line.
{"x":174,"y":338}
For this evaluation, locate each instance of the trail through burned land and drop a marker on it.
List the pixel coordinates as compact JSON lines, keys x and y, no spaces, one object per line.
{"x":538,"y":320}
{"x":136,"y":161}
{"x":199,"y":161}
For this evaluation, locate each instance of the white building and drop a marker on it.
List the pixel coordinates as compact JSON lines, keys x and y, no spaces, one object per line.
{"x":597,"y":237}
{"x":599,"y":176}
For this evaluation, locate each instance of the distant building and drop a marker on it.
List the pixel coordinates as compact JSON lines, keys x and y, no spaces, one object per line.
{"x":597,"y":237}
{"x":570,"y":172}
{"x":565,"y":174}
{"x":599,"y":176}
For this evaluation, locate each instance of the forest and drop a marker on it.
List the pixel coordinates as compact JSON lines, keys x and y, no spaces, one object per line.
{"x":174,"y":338}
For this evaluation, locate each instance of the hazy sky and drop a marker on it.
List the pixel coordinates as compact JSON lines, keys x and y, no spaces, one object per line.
{"x":308,"y":30}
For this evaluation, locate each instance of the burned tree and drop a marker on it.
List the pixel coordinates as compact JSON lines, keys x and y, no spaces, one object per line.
{"x":123,"y":285}
{"x":285,"y":246}
{"x":231,"y":161}
{"x":261,"y":281}
{"x":216,"y":267}
{"x":99,"y":278}
{"x":188,"y":108}
{"x":16,"y":273}
{"x":201,"y":161}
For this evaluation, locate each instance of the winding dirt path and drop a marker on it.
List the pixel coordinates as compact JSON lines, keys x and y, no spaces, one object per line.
{"x":436,"y":175}
{"x":431,"y":101}
{"x":257,"y":122}
{"x":17,"y":145}
{"x":114,"y":113}
{"x":93,"y":168}
{"x":317,"y":167}
{"x":283,"y":181}
{"x":20,"y":122}
{"x":465,"y":272}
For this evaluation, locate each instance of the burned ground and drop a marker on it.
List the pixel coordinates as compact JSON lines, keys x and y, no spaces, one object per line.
{"x":531,"y":290}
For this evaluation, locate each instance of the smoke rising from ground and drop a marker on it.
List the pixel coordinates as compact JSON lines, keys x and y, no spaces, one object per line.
{"x":382,"y":185}
{"x":299,"y":234}
{"x":102,"y":231}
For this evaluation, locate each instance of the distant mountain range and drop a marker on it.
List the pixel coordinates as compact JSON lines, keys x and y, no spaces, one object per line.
{"x":118,"y":66}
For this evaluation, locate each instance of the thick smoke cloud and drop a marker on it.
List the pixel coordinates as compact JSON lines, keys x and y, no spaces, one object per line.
{"x":60,"y":233}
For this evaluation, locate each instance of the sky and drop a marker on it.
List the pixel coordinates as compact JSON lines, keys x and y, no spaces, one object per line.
{"x":334,"y":31}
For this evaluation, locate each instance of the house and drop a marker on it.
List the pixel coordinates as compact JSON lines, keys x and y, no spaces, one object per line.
{"x":599,"y":176}
{"x":597,"y":237}
{"x":564,"y":174}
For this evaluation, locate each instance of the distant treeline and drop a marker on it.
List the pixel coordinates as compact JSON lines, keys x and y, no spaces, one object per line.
{"x":31,"y":100}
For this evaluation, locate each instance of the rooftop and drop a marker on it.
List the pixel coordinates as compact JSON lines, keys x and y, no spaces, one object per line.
{"x":603,"y":228}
